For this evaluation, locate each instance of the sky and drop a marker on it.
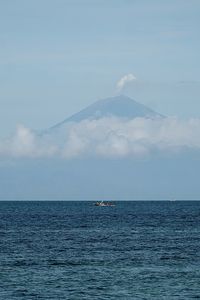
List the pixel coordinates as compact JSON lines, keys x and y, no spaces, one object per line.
{"x":58,"y":56}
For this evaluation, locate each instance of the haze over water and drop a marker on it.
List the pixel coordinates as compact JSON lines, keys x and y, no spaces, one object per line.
{"x":74,"y":250}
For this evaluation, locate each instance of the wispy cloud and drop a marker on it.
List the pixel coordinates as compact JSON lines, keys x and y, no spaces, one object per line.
{"x":124,"y":81}
{"x":106,"y":137}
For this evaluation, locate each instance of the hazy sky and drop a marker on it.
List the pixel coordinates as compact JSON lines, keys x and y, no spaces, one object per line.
{"x":57,"y":56}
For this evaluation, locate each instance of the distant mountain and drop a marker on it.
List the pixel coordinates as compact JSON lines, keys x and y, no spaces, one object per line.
{"x":119,"y":106}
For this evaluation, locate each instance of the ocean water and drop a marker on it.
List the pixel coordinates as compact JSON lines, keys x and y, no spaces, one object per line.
{"x":74,"y":250}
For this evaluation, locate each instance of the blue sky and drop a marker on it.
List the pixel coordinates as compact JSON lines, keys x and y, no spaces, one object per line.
{"x":57,"y":56}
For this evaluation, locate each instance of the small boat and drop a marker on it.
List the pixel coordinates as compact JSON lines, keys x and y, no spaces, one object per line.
{"x":102,"y":203}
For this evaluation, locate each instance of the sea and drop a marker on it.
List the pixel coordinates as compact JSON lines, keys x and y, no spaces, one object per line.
{"x":75,"y":250}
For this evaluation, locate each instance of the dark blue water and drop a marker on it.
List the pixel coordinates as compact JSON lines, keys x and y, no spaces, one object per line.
{"x":74,"y":250}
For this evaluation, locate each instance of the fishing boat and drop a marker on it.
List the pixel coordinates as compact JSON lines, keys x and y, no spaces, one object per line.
{"x":102,"y":203}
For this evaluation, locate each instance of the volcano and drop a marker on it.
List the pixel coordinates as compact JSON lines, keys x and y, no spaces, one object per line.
{"x":119,"y":106}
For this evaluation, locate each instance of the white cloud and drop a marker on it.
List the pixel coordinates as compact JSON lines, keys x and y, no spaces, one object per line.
{"x":106,"y":137}
{"x":124,"y":80}
{"x":25,"y":143}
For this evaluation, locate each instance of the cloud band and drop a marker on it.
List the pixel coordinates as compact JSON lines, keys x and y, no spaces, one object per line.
{"x":106,"y":137}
